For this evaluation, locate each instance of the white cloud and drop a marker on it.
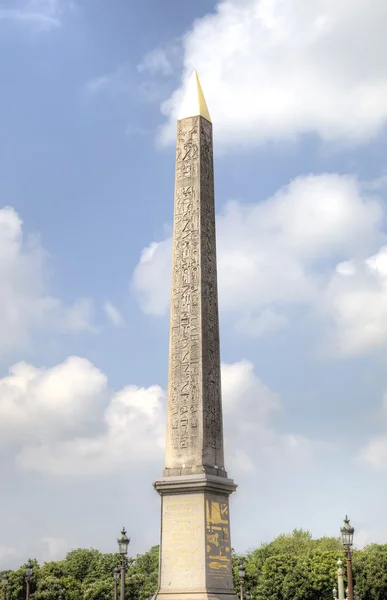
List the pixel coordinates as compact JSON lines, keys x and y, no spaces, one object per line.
{"x":272,"y":69}
{"x":39,"y":15}
{"x":50,"y":404}
{"x":55,"y":548}
{"x":297,"y":248}
{"x":65,"y":420}
{"x":113,"y":314}
{"x":152,"y":276}
{"x":250,"y":436}
{"x":374,"y":453}
{"x":356,"y":298}
{"x":25,"y":304}
{"x":156,"y":61}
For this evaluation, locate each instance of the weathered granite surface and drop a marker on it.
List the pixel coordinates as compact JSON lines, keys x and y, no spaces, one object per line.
{"x":195,"y":548}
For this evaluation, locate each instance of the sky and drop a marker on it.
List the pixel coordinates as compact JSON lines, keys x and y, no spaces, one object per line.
{"x":90,"y":92}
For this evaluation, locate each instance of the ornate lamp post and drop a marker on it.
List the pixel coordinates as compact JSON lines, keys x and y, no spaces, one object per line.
{"x":340,"y":579}
{"x":241,"y":573}
{"x":123,"y":543}
{"x":347,"y":532}
{"x":5,"y":583}
{"x":29,"y":569}
{"x":116,"y":575}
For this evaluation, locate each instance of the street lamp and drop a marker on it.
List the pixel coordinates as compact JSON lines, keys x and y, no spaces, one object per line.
{"x":116,"y":575}
{"x":5,"y":583}
{"x":123,"y":543}
{"x":29,"y":569}
{"x":242,"y":573}
{"x":347,"y":532}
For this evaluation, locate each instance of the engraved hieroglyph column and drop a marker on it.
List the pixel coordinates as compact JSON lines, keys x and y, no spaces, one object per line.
{"x":195,"y":549}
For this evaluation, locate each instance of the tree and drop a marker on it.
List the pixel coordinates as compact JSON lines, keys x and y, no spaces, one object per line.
{"x":370,"y":572}
{"x":80,"y":563}
{"x":143,"y":575}
{"x":292,"y":567}
{"x":17,"y":583}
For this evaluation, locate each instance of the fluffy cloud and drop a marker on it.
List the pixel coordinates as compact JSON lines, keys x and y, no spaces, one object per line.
{"x":25,"y":304}
{"x":274,"y":69}
{"x":66,"y":421}
{"x":50,"y":404}
{"x":357,"y":299}
{"x":308,"y":245}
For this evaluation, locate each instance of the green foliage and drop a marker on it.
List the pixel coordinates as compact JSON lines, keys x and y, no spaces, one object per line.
{"x":291,"y":567}
{"x":370,"y":572}
{"x":143,"y":575}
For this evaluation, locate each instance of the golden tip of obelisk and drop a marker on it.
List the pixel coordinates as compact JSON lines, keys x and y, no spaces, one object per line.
{"x":194,"y":104}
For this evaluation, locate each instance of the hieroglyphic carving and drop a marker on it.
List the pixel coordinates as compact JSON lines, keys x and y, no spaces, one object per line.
{"x":194,"y":405}
{"x":213,"y":436}
{"x":185,"y":354}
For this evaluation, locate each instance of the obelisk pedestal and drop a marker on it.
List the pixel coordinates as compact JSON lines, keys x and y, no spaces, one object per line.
{"x":195,"y":548}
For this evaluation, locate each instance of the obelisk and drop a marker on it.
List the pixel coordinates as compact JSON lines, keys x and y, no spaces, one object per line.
{"x":195,"y":547}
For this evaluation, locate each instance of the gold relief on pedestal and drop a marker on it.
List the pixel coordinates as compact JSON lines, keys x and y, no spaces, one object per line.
{"x":218,"y":549}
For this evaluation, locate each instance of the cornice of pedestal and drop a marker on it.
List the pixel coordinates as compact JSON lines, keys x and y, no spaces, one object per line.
{"x":189,"y":484}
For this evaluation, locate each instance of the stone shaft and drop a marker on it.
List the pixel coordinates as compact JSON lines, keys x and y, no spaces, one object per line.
{"x":195,"y":547}
{"x":194,"y":413}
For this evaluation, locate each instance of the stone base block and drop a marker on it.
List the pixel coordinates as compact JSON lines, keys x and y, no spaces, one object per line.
{"x":197,"y":595}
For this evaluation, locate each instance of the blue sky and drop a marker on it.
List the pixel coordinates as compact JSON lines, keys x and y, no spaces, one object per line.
{"x":89,"y":97}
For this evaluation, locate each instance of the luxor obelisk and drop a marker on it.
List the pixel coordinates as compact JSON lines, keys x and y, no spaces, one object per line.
{"x":195,"y":549}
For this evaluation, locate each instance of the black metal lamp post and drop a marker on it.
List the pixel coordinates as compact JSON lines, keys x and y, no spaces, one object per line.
{"x":116,"y":575}
{"x":29,"y":569}
{"x":123,"y":543}
{"x":241,"y":573}
{"x":347,"y":532}
{"x":5,"y":583}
